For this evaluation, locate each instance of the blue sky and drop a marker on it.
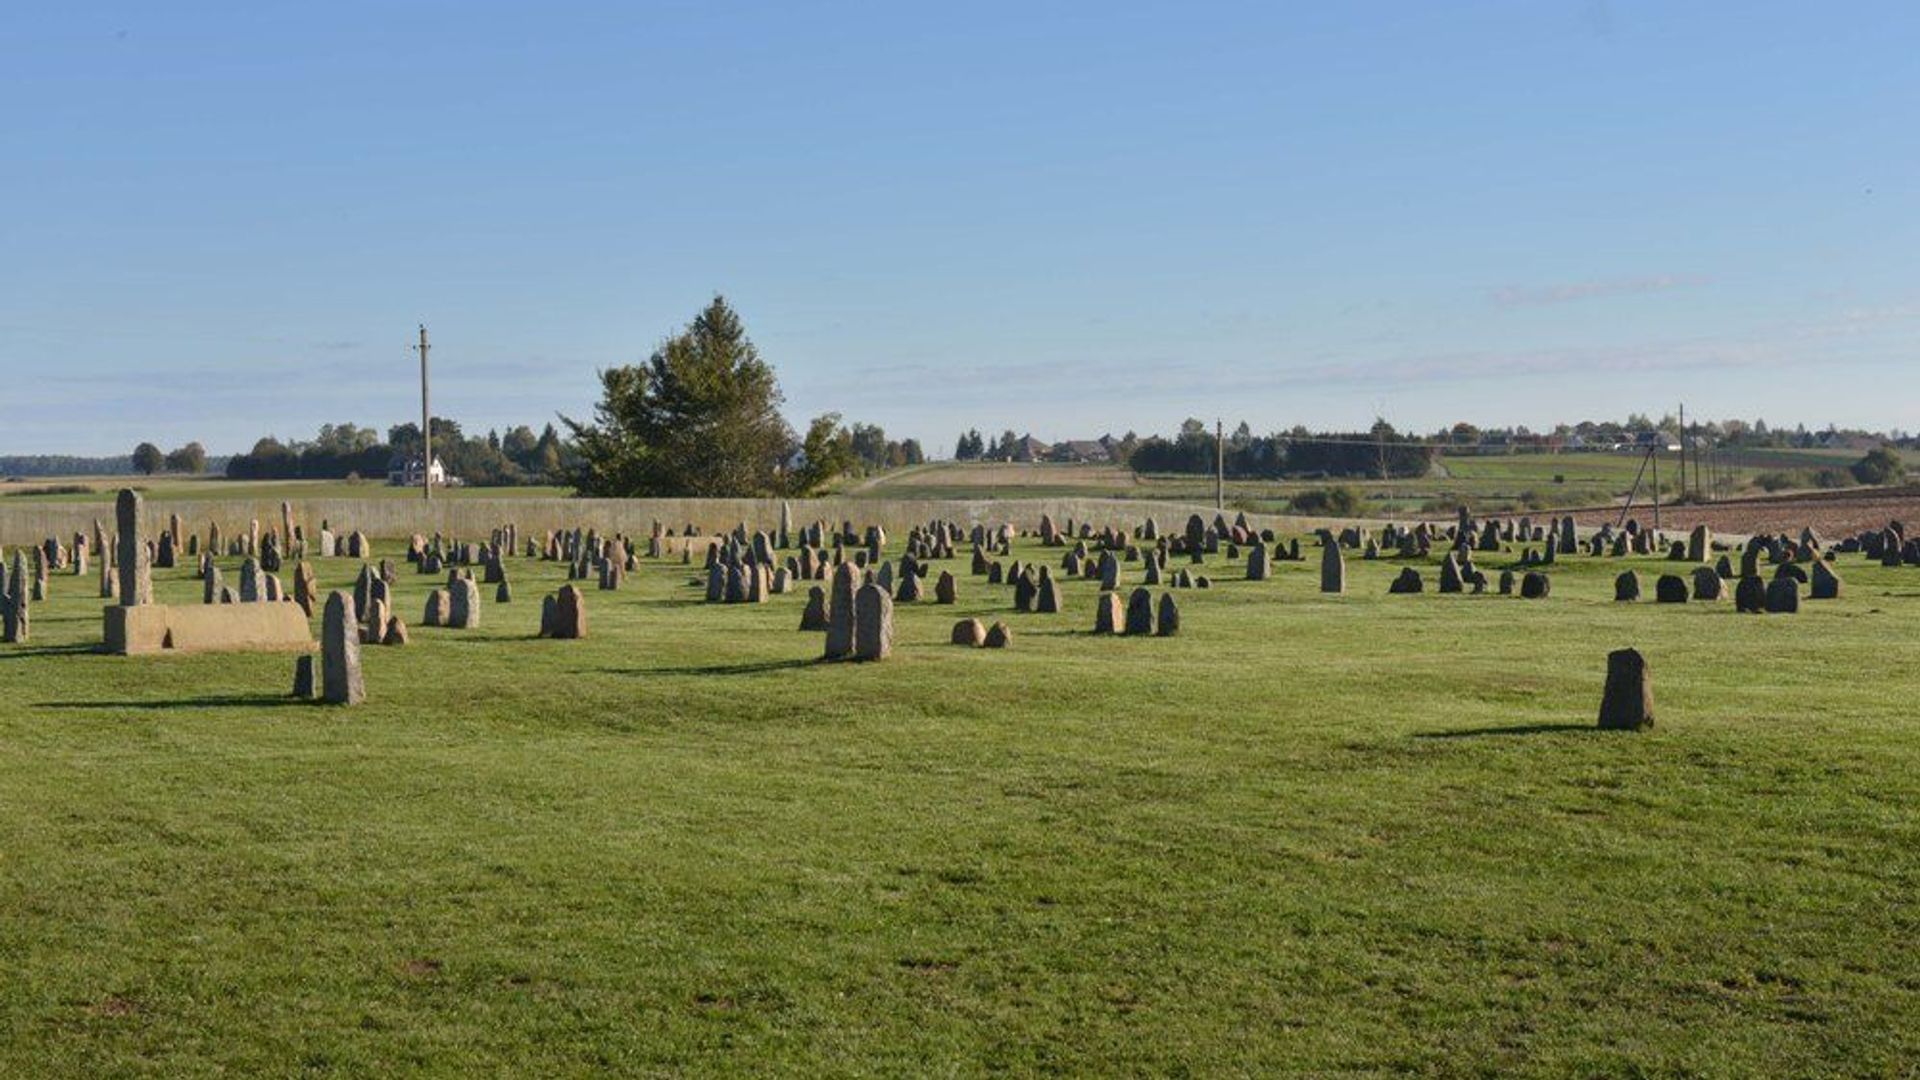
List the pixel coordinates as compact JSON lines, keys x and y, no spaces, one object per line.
{"x":226,"y":219}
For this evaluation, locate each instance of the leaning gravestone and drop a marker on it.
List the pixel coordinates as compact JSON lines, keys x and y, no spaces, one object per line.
{"x":1627,"y":702}
{"x":1826,"y":583}
{"x":341,"y":678}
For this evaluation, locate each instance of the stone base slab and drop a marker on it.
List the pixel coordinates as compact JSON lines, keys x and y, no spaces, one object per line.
{"x":191,"y":628}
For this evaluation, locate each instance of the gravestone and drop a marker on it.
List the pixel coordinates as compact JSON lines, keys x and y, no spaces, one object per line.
{"x":1167,"y":621}
{"x":303,"y":682}
{"x":1333,"y":569}
{"x":998,"y":635}
{"x":463,"y":607}
{"x":1783,"y":596}
{"x":814,"y":617}
{"x":1140,"y":612}
{"x":873,"y":616}
{"x":1627,"y":702}
{"x":970,"y":633}
{"x":1626,"y":587}
{"x":341,"y":678}
{"x":1108,"y":616}
{"x":841,"y":630}
{"x":136,"y":579}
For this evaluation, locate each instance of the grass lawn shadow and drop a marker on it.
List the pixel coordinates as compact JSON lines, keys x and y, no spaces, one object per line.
{"x":752,"y":667}
{"x":212,"y":701}
{"x":1515,"y":729}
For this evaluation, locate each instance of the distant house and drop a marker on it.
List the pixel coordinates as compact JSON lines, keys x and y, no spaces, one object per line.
{"x":1083,"y":451}
{"x":1838,"y":440}
{"x":1028,"y":448}
{"x":406,"y":472}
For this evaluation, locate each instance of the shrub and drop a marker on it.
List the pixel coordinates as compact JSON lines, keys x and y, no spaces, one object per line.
{"x":1332,"y":501}
{"x":1880,"y":466}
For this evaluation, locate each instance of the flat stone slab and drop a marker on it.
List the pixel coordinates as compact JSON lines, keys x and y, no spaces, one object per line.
{"x":192,"y":628}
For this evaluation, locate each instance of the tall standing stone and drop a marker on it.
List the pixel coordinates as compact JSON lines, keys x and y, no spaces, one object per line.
{"x":136,"y":577}
{"x":1627,"y":702}
{"x":873,"y":615}
{"x":1333,"y":568}
{"x":341,"y":678}
{"x":840,"y":622}
{"x":463,"y":608}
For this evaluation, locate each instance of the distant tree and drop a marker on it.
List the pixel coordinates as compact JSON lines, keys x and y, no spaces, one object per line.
{"x":970,"y":447}
{"x":148,"y":459}
{"x":870,"y":445}
{"x":1880,"y":466}
{"x":825,"y":455}
{"x":191,"y":458}
{"x":699,"y":418}
{"x":910,"y":452}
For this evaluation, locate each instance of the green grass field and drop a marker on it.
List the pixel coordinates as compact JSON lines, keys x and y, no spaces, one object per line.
{"x":1354,"y":835}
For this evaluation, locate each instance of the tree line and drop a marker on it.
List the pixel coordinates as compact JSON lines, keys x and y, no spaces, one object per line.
{"x":349,"y":451}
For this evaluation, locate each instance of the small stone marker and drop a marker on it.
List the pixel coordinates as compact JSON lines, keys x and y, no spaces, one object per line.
{"x":1627,"y":702}
{"x":998,"y":635}
{"x":1140,"y":613}
{"x":970,"y":633}
{"x":1109,"y":617}
{"x":303,"y":676}
{"x":815,"y":615}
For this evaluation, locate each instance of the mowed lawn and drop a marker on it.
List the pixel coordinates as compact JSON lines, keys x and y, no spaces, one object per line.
{"x":1353,"y":835}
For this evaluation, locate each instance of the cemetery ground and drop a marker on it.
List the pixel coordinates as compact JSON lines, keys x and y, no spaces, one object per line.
{"x":1312,"y":834}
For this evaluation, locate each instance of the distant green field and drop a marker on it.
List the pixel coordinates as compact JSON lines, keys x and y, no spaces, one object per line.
{"x":1311,"y":835}
{"x":1491,"y":483}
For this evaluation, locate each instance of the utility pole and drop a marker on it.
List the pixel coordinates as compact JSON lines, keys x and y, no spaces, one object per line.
{"x":1219,"y":464}
{"x":1653,"y":454}
{"x":1683,"y":451}
{"x":426,"y":423}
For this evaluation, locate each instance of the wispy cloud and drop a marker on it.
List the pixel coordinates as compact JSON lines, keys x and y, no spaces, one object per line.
{"x":1511,"y":296}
